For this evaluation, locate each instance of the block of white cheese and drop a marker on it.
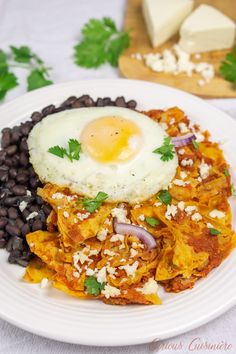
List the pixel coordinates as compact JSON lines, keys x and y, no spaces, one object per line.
{"x":164,"y":17}
{"x":206,"y":29}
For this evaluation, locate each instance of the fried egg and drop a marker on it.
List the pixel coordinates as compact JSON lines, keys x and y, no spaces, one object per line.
{"x":116,"y":156}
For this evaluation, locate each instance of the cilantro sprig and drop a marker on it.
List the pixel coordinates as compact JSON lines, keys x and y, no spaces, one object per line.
{"x":164,"y":196}
{"x":91,"y":204}
{"x":93,"y":287}
{"x":22,"y":57}
{"x":73,"y":151}
{"x":226,"y":172}
{"x":101,"y":42}
{"x":195,"y":144}
{"x":152,"y":221}
{"x":214,"y":232}
{"x":228,"y":66}
{"x":166,"y":150}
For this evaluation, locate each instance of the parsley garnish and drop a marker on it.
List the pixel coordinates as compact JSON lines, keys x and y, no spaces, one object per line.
{"x":93,"y":287}
{"x":101,"y":43}
{"x":228,"y":67}
{"x":22,"y":57}
{"x":73,"y":151}
{"x":214,"y":231}
{"x":195,"y":144}
{"x":232,"y":190}
{"x":152,"y":221}
{"x":226,"y":172}
{"x":165,"y":197}
{"x":166,"y":150}
{"x":93,"y":204}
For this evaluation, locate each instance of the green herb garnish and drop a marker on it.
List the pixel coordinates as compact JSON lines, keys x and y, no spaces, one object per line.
{"x":166,"y":150}
{"x":24,"y":58}
{"x":226,"y":172}
{"x":232,"y":189}
{"x":93,"y":204}
{"x":101,"y":43}
{"x":93,"y":287}
{"x":228,"y":67}
{"x":73,"y":151}
{"x":214,"y":231}
{"x":165,"y":197}
{"x":195,"y":144}
{"x":152,"y":221}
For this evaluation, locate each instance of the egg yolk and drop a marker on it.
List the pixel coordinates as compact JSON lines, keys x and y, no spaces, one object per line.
{"x":111,"y":139}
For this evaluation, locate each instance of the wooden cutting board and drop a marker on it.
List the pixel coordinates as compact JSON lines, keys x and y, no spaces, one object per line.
{"x":140,"y":43}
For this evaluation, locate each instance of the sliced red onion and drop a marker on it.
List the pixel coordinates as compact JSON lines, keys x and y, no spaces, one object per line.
{"x":183,"y":140}
{"x":134,"y":230}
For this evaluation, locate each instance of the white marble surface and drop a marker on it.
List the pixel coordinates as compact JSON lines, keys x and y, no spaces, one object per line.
{"x":51,"y":28}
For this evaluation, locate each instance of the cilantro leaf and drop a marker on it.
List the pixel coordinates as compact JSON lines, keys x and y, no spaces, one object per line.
{"x":226,"y":172}
{"x":152,"y":221}
{"x":74,"y":149}
{"x":195,"y":144}
{"x":58,"y":151}
{"x":22,"y":54}
{"x":3,"y":62}
{"x":101,"y":42}
{"x":166,"y":150}
{"x":93,"y":287}
{"x":93,"y":204}
{"x":116,"y":47}
{"x":7,"y":82}
{"x":165,"y":197}
{"x":37,"y":79}
{"x":228,"y":67}
{"x":214,"y":231}
{"x":73,"y":153}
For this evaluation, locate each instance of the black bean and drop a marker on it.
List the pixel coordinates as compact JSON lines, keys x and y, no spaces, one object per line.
{"x":3,"y":222}
{"x":15,"y":136}
{"x":13,"y":230}
{"x":3,"y":155}
{"x":14,"y":160}
{"x":3,"y":176}
{"x":23,"y":145}
{"x":13,"y":172}
{"x":34,"y":208}
{"x":10,"y":183}
{"x":11,"y":150}
{"x":120,"y":102}
{"x":69,"y":101}
{"x":2,"y":234}
{"x":3,"y":211}
{"x":77,"y":104}
{"x":36,"y":117}
{"x":13,"y":213}
{"x":13,"y":257}
{"x":19,"y":189}
{"x":19,"y":223}
{"x":8,"y":162}
{"x":6,"y":138}
{"x":22,"y":178}
{"x":25,"y":229}
{"x":31,"y":172}
{"x":106,"y":101}
{"x":25,"y":128}
{"x":10,"y":201}
{"x":34,"y":182}
{"x":9,"y":244}
{"x":37,"y":225}
{"x":24,"y":160}
{"x":25,"y":214}
{"x":99,"y":102}
{"x":131,"y":104}
{"x":47,"y":209}
{"x":3,"y":242}
{"x":17,"y":243}
{"x":48,"y":110}
{"x":39,"y":200}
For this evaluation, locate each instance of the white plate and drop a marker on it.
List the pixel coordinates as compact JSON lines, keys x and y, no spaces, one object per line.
{"x":51,"y":313}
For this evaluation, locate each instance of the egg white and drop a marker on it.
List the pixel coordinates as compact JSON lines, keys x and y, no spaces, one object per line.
{"x":133,"y":181}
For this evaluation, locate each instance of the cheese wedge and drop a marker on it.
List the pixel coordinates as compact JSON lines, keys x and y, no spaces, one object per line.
{"x":206,"y":29}
{"x":164,"y":17}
